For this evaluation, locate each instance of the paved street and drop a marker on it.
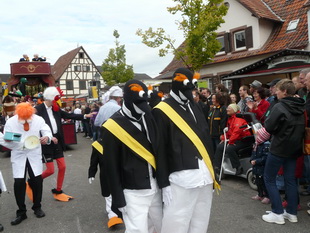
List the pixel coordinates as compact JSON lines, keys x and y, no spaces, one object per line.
{"x":232,"y":211}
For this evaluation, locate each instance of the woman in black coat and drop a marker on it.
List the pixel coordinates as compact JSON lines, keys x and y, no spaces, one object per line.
{"x":286,"y":124}
{"x":217,"y":118}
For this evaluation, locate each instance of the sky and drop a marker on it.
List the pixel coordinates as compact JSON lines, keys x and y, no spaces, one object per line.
{"x":53,"y":28}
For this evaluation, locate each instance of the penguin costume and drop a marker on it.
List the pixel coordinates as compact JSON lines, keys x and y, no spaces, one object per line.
{"x":185,"y":171}
{"x":97,"y":158}
{"x":154,"y":96}
{"x":130,"y":144}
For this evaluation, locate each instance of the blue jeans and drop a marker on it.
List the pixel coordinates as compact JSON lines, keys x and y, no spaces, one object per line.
{"x":272,"y":167}
{"x":215,"y":142}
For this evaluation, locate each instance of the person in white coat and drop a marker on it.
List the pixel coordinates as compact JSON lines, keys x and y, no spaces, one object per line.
{"x":26,"y":155}
{"x":2,"y":189}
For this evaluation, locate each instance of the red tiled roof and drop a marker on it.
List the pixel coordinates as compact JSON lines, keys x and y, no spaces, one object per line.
{"x":279,"y":38}
{"x":307,"y":3}
{"x":63,"y":62}
{"x":260,"y":10}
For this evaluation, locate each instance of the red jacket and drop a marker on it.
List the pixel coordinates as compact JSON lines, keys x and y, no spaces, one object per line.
{"x":261,"y":109}
{"x":234,"y":132}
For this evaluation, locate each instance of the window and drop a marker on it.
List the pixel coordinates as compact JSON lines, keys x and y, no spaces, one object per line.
{"x":86,"y":68}
{"x":236,"y":39}
{"x":239,"y":40}
{"x":222,"y":42}
{"x":81,"y":55}
{"x":209,"y":84}
{"x":82,"y":84}
{"x":292,"y":25}
{"x":69,"y":85}
{"x":227,"y":84}
{"x":77,"y":68}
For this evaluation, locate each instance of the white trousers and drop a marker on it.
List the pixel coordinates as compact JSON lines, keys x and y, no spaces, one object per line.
{"x":189,"y":211}
{"x":143,"y":213}
{"x":108,"y":204}
{"x":78,"y":124}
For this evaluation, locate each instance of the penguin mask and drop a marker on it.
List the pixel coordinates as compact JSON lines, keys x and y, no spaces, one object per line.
{"x":135,"y":98}
{"x":154,"y":97}
{"x":183,"y":83}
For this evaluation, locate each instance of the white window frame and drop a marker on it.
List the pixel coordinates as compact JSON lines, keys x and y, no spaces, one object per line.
{"x":221,"y":52}
{"x":292,"y":25}
{"x":227,"y":84}
{"x":235,"y":44}
{"x":209,"y":84}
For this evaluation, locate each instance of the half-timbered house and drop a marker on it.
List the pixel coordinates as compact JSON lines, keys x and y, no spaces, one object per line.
{"x":76,"y":73}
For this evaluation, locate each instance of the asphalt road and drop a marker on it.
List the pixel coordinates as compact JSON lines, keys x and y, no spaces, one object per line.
{"x":232,"y":210}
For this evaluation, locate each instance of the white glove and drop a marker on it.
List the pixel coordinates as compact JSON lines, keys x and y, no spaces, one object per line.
{"x":123,"y":209}
{"x":90,"y":179}
{"x":167,"y":195}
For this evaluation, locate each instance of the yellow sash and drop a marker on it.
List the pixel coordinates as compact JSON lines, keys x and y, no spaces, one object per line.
{"x":129,"y":141}
{"x":187,"y":130}
{"x":98,"y":147}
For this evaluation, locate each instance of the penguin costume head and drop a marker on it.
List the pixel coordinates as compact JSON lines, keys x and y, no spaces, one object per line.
{"x":52,"y":96}
{"x":154,"y":97}
{"x":183,"y":83}
{"x":135,"y":98}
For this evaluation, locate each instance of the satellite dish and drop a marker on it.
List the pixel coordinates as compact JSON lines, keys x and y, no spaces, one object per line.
{"x":31,"y":142}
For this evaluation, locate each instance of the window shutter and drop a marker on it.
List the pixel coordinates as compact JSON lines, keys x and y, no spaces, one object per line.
{"x":227,"y":42}
{"x":249,"y":37}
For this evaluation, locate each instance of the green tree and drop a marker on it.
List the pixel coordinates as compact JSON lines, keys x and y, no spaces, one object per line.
{"x":200,"y":20}
{"x":114,"y":68}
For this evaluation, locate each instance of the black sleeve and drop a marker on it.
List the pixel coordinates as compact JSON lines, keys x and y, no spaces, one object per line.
{"x":66,"y":115}
{"x":162,"y":171}
{"x":274,"y":120}
{"x":224,"y":117}
{"x":94,"y":161}
{"x":112,"y":149}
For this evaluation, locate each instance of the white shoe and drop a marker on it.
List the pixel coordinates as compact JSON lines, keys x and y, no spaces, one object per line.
{"x":273,"y":218}
{"x":290,"y":217}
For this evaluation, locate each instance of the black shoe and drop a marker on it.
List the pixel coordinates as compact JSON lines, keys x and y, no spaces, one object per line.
{"x":39,"y":213}
{"x":1,"y":228}
{"x":19,"y":219}
{"x":239,"y":171}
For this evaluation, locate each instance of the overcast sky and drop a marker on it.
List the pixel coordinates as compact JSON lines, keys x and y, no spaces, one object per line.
{"x":53,"y":28}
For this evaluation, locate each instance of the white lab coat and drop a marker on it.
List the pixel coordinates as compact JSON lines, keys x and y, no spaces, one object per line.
{"x":19,"y":154}
{"x":2,"y":184}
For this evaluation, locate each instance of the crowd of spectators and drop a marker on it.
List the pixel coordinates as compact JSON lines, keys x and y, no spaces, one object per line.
{"x":279,"y":105}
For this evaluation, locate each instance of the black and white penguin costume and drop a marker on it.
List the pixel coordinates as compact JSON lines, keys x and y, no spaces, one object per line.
{"x":129,"y":140}
{"x":185,"y":172}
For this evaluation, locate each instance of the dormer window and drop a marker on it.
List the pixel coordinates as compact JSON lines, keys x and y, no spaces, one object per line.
{"x":292,"y":25}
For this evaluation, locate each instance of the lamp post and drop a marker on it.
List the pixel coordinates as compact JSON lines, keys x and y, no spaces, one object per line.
{"x":97,"y":79}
